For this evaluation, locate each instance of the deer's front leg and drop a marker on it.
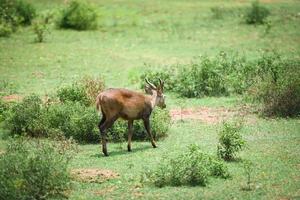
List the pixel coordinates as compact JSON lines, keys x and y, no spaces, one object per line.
{"x":147,"y":127}
{"x":130,"y":124}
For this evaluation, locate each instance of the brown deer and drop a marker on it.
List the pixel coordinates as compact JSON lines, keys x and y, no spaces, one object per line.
{"x":117,"y":103}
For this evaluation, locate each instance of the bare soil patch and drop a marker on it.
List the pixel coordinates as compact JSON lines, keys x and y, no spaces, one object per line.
{"x":12,"y":98}
{"x":93,"y":175}
{"x":104,"y":191}
{"x":211,"y":115}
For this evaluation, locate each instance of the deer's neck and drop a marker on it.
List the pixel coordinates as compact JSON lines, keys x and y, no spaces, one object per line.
{"x":153,"y":100}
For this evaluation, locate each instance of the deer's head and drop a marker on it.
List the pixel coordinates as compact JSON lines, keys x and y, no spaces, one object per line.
{"x":157,"y":92}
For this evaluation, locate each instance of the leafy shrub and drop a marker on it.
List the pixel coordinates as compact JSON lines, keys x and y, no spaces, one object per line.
{"x":167,"y":74}
{"x":84,"y":91}
{"x":160,"y":122}
{"x":5,"y":29}
{"x":217,"y":12}
{"x":222,"y":75}
{"x":92,"y":87}
{"x":23,"y":116}
{"x":3,"y":108}
{"x":257,"y":14}
{"x":230,"y":141}
{"x":79,"y":15}
{"x":190,"y":168}
{"x":74,"y":120}
{"x":70,"y":119}
{"x":277,"y":86}
{"x":16,"y":12}
{"x":31,"y":169}
{"x":203,"y":78}
{"x":41,"y":27}
{"x":26,"y":11}
{"x":74,"y":93}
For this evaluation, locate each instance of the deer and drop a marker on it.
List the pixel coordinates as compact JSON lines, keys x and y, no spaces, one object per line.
{"x":115,"y":103}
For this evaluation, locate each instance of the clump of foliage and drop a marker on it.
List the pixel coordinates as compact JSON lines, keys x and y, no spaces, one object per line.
{"x":230,"y":141}
{"x":256,"y":14}
{"x":92,"y":87}
{"x":34,"y":118}
{"x":160,"y":123}
{"x":73,"y":93}
{"x":84,"y":91}
{"x":276,"y":86}
{"x":5,"y":29}
{"x":41,"y":27}
{"x":217,"y":12}
{"x":3,"y":108}
{"x":79,"y":15}
{"x":218,"y":76}
{"x":192,"y":167}
{"x":14,"y":13}
{"x":167,"y":74}
{"x":34,"y":169}
{"x":24,"y":116}
{"x":73,"y":120}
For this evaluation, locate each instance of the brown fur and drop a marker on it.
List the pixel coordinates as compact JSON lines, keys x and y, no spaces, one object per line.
{"x":129,"y":105}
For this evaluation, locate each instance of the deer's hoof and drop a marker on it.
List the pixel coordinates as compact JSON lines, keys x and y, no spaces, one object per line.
{"x":128,"y":148}
{"x":154,"y":146}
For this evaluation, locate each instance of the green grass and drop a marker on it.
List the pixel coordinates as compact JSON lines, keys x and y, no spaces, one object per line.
{"x":272,"y":147}
{"x":160,"y":33}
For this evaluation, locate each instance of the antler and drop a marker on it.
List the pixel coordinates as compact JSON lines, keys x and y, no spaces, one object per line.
{"x":161,"y":84}
{"x":150,"y":84}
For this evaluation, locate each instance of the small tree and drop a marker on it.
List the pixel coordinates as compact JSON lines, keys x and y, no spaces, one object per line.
{"x":230,"y":141}
{"x":257,"y":14}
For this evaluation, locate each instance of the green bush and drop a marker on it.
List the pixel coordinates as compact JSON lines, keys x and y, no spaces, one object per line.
{"x":222,"y":75}
{"x":160,"y":122}
{"x":190,"y":168}
{"x":79,"y":15}
{"x":277,"y":86}
{"x":257,"y":14}
{"x":167,"y":74}
{"x":84,"y":91}
{"x":33,"y":118}
{"x":217,"y":12}
{"x":3,"y":108}
{"x":230,"y":141}
{"x":92,"y":87}
{"x":201,"y":78}
{"x":24,"y":116}
{"x":26,"y":11}
{"x":74,"y":120}
{"x":41,"y":27}
{"x":73,"y":93}
{"x":5,"y":29}
{"x":31,"y":169}
{"x":16,"y":12}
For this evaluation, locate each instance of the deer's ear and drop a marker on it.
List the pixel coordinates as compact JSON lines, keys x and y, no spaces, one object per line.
{"x":148,"y":90}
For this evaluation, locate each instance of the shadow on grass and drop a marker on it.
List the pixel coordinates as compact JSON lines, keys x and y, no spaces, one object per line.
{"x":123,"y":151}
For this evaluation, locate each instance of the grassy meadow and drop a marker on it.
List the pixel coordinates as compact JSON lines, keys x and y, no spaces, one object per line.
{"x":135,"y":35}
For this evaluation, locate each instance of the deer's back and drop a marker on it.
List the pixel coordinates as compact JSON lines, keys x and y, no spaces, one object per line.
{"x":128,"y":104}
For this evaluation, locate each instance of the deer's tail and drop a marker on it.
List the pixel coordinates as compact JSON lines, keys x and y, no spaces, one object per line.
{"x":98,"y":102}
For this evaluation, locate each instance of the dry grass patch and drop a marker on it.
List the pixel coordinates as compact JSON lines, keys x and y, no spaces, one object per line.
{"x":93,"y":175}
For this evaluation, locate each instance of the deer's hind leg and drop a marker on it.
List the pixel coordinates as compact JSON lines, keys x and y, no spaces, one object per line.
{"x":103,"y":126}
{"x":130,"y":124}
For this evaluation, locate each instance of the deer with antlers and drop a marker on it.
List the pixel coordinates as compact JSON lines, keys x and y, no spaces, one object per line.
{"x":129,"y":105}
